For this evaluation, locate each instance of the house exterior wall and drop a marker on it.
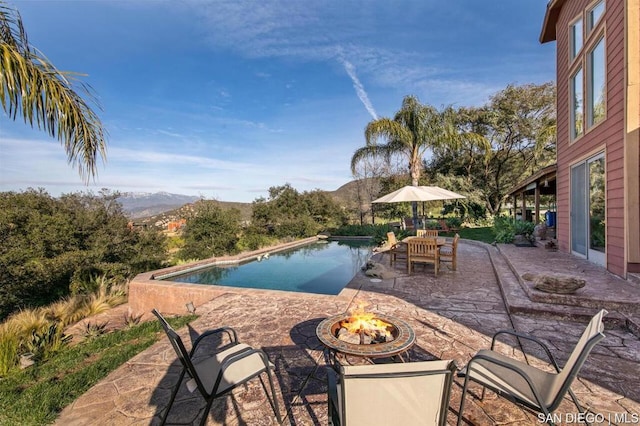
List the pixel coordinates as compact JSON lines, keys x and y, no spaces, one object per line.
{"x":632,"y":142}
{"x":606,"y":137}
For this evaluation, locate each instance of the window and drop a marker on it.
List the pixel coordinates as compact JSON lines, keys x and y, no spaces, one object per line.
{"x":576,"y":38}
{"x":576,"y":104}
{"x":596,"y":84}
{"x":588,"y":70}
{"x":593,"y":15}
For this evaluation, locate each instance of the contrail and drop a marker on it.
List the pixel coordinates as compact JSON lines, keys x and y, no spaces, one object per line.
{"x":362,"y":94}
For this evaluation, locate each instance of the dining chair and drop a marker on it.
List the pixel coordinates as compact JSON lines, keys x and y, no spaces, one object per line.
{"x":422,"y":250}
{"x":397,"y":249}
{"x":427,"y":233}
{"x":219,"y":372}
{"x":449,"y":252}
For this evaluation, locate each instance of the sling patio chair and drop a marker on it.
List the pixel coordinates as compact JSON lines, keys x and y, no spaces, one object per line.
{"x":422,"y":250}
{"x":536,"y":389}
{"x":449,"y":252}
{"x":397,"y":249}
{"x":413,"y":393}
{"x":220,"y":372}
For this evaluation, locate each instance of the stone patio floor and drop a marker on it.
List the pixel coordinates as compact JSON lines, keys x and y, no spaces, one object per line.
{"x":453,"y":315}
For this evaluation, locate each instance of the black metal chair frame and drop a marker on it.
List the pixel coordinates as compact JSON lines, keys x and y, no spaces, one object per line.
{"x":541,"y":406}
{"x":186,"y":357}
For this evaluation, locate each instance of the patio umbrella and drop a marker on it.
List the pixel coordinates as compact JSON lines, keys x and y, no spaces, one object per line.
{"x":418,"y":193}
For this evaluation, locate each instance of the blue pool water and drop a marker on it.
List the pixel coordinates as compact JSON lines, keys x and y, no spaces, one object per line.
{"x":322,"y":267}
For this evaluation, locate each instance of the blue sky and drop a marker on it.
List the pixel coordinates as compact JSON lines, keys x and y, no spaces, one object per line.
{"x":224,"y":99}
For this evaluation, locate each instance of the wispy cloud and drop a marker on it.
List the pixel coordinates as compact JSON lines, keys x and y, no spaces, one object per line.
{"x":362,"y":94}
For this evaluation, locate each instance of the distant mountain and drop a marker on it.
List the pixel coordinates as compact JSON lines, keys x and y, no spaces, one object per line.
{"x":164,"y":206}
{"x":144,"y":204}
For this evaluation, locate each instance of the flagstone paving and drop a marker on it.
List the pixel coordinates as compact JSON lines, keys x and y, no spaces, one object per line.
{"x":453,"y":315}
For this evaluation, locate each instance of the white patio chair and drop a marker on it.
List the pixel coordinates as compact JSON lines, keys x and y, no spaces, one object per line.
{"x":413,"y":393}
{"x":539,"y":390}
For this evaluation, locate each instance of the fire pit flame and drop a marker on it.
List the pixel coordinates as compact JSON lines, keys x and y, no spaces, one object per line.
{"x":364,"y":328}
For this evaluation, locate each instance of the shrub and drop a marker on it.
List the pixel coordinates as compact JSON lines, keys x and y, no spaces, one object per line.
{"x":432,"y":224}
{"x":357,"y":230}
{"x":49,"y":244}
{"x":453,"y":222}
{"x":47,"y":342}
{"x":507,"y":228}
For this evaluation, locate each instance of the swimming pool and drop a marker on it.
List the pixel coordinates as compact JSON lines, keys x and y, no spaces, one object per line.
{"x":323,"y":267}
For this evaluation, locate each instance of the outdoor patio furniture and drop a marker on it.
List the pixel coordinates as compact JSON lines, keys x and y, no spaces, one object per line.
{"x":523,"y":384}
{"x":449,"y":252}
{"x":414,"y":393}
{"x":397,"y":250}
{"x":422,"y":250}
{"x":233,"y":365}
{"x":424,"y":233}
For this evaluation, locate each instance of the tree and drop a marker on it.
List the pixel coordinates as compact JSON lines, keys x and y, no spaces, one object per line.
{"x":32,"y":87}
{"x":53,"y":246}
{"x":519,"y":123}
{"x":414,"y":129}
{"x":287,"y":213}
{"x":211,"y":231}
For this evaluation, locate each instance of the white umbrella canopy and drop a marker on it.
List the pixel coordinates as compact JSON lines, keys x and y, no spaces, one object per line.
{"x":442,"y":194}
{"x":418,"y":193}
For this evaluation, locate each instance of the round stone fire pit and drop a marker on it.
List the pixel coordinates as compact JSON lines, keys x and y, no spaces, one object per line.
{"x":401,"y":340}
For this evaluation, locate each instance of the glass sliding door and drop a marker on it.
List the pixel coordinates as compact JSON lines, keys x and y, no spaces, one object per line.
{"x":579,"y":210}
{"x":597,"y":223}
{"x":588,"y":214}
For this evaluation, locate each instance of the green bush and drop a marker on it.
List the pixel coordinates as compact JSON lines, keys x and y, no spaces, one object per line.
{"x":357,"y":230}
{"x":432,"y":224}
{"x":49,"y":243}
{"x":290,"y":214}
{"x":453,"y":222}
{"x":211,"y":231}
{"x":506,"y":228}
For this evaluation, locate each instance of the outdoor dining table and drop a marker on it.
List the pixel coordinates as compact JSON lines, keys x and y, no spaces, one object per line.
{"x":440,"y":241}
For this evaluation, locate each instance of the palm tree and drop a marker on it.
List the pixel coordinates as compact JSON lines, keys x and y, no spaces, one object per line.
{"x":31,"y":87}
{"x":414,"y":129}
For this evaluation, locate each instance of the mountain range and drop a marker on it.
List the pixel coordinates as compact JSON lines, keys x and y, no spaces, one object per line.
{"x":139,"y":205}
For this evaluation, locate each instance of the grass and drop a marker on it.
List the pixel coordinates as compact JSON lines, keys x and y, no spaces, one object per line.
{"x":484,"y":234}
{"x":36,"y":395}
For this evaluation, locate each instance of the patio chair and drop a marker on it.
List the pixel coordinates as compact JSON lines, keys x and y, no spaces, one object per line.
{"x":521,"y":383}
{"x":397,"y":250}
{"x":220,"y":372}
{"x":449,"y":252}
{"x":413,"y":393}
{"x":422,"y":250}
{"x":427,"y":233}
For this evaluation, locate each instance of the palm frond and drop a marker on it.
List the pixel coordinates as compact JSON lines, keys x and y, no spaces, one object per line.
{"x":31,"y":87}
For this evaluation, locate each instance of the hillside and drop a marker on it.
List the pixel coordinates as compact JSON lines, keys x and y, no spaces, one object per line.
{"x":140,"y":205}
{"x":161,"y":208}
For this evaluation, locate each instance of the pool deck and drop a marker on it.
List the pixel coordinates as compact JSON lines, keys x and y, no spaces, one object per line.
{"x":453,"y":315}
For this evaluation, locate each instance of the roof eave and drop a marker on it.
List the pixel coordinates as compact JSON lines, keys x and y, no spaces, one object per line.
{"x":548,"y":32}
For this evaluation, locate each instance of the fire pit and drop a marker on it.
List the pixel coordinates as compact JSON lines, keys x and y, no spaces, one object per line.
{"x":368,"y":335}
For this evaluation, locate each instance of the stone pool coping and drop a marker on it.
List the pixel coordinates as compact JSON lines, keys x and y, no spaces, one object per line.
{"x":147,"y":291}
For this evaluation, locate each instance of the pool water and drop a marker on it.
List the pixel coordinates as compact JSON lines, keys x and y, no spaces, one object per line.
{"x":323,"y":267}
